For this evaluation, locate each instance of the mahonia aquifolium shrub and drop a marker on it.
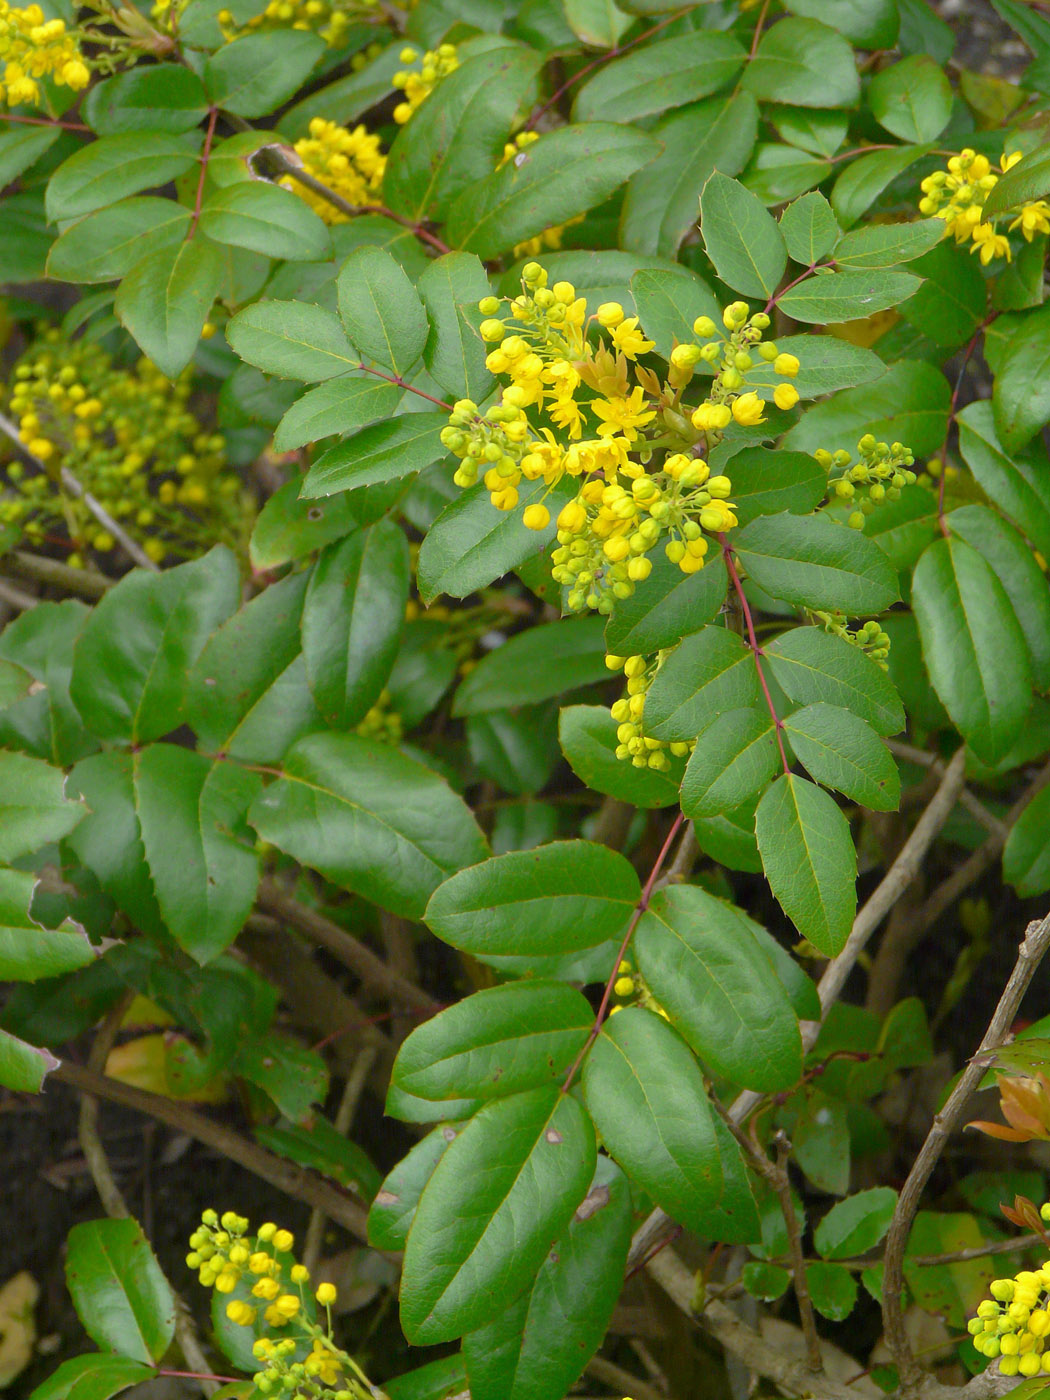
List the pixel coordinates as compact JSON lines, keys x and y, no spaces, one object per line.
{"x":586,"y":470}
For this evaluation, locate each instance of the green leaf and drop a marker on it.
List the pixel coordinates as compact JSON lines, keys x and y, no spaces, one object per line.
{"x":471,"y":543}
{"x":587,"y":734}
{"x":810,"y":229}
{"x":369,"y":819}
{"x":347,"y":98}
{"x":118,"y":1290}
{"x":535,"y":665}
{"x":857,"y":1224}
{"x":291,"y":1075}
{"x":973,"y":646}
{"x":97,"y":1376}
{"x":912,"y":98}
{"x":1026,"y":856}
{"x":539,"y":1346}
{"x":666,"y":607}
{"x":316,"y":1142}
{"x":385,"y":451}
{"x":909,"y":404}
{"x":779,"y":172}
{"x":336,"y":406}
{"x":810,"y":129}
{"x":1014,"y":565}
{"x":352,"y":621}
{"x":1017,"y":482}
{"x":107,"y":244}
{"x":288,"y":528}
{"x":253,"y":75}
{"x":803,"y":62}
{"x":741,"y":237}
{"x":115,"y":166}
{"x":505,"y":1188}
{"x":23,"y":1067}
{"x":165,"y":299}
{"x":438,"y":1380}
{"x":839,"y":750}
{"x":380,"y":310}
{"x":833,"y":1290}
{"x":765,"y":1281}
{"x":846,"y":296}
{"x":599,"y":23}
{"x":1028,"y":180}
{"x":433,"y":162}
{"x":29,"y":951}
{"x":21,"y":147}
{"x":826,"y":364}
{"x":165,"y":97}
{"x":45,"y":723}
{"x":247,"y":694}
{"x":768,"y":482}
{"x":668,"y":303}
{"x":736,"y":757}
{"x":292,"y":339}
{"x":130,"y":663}
{"x":645,"y":1092}
{"x":1020,"y":397}
{"x":870,"y":24}
{"x":565,"y":173}
{"x":653,"y":78}
{"x":809,"y":860}
{"x":553,"y":899}
{"x":394,"y":1206}
{"x":812,"y":561}
{"x":496,"y":1042}
{"x":34,"y":808}
{"x":202,"y":861}
{"x":707,"y":971}
{"x":660,"y":205}
{"x":886,"y":245}
{"x":864,"y":179}
{"x":454,"y":354}
{"x":710,"y":671}
{"x":266,"y":219}
{"x":951,"y":303}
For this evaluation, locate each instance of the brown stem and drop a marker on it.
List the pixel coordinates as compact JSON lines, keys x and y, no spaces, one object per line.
{"x":209,"y":137}
{"x":51,"y":571}
{"x":1029,"y":955}
{"x":973,"y":805}
{"x":756,"y":650}
{"x":612,"y":823}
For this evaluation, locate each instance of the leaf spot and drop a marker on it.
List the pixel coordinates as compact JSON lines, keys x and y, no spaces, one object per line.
{"x":597,"y":1197}
{"x":387,"y":1198}
{"x":552,"y":1135}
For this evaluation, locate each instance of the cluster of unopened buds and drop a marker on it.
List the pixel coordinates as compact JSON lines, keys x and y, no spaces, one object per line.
{"x":958,"y":196}
{"x":1013,"y":1325}
{"x":868,"y":638}
{"x":629,"y":713}
{"x":880,"y":474}
{"x":301,"y":1360}
{"x":418,"y":83}
{"x":579,"y":405}
{"x":632,"y":990}
{"x":349,"y":162}
{"x":34,"y":47}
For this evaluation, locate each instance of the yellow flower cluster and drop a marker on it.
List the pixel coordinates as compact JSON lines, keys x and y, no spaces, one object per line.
{"x":958,"y":195}
{"x":230,"y":1259}
{"x":550,"y":238}
{"x":629,"y":713}
{"x":418,"y":84}
{"x":1013,"y":1325}
{"x":31,"y":48}
{"x":132,"y":441}
{"x":632,"y":989}
{"x":880,"y":473}
{"x":579,"y":405}
{"x":350,"y":163}
{"x":330,"y":20}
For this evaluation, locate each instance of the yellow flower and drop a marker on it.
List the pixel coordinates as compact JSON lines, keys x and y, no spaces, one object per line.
{"x":786,"y":365}
{"x":785,"y":396}
{"x":629,"y":340}
{"x":536,"y":517}
{"x":748,"y":409}
{"x":988,"y":244}
{"x":621,"y":414}
{"x":350,"y":163}
{"x":1034,"y":218}
{"x":712,"y":417}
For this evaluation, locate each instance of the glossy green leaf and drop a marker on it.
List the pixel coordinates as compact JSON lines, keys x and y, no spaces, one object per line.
{"x":29,"y":951}
{"x":369,"y":819}
{"x":553,"y":899}
{"x":838,"y":749}
{"x":599,"y":23}
{"x":886,"y":245}
{"x":709,"y":672}
{"x":119,"y":1292}
{"x":718,"y":987}
{"x":1016,"y":481}
{"x":734,"y":759}
{"x":21,"y":147}
{"x":385,"y":451}
{"x":765,"y":1281}
{"x":539,"y":1345}
{"x":778,"y":172}
{"x":293,"y":1077}
{"x":266,"y":219}
{"x":534,"y":665}
{"x":565,"y":173}
{"x":865,"y":178}
{"x":802,"y":61}
{"x":163,"y":97}
{"x":288,"y":528}
{"x":826,"y":364}
{"x":833,"y":1290}
{"x":809,"y":860}
{"x":1026,"y":856}
{"x":497,"y":1042}
{"x":34,"y":807}
{"x":661,"y":203}
{"x":814,"y":562}
{"x":666,"y":606}
{"x":202,"y":861}
{"x":23,"y":1067}
{"x":587,"y":734}
{"x":810,"y":129}
{"x":394,"y":1206}
{"x":645,"y":1092}
{"x":973,"y":646}
{"x":870,"y":24}
{"x":668,"y":303}
{"x":1028,"y":180}
{"x":505,"y":1188}
{"x":857,"y":1224}
{"x":336,"y":406}
{"x":108,"y":243}
{"x":292,"y":339}
{"x":380,"y":310}
{"x":810,"y":229}
{"x":741,"y":237}
{"x":908,"y":403}
{"x":254,"y":74}
{"x":846,"y":296}
{"x":165,"y":299}
{"x":670,"y":72}
{"x":912,"y":98}
{"x":454,"y":353}
{"x":97,"y":1376}
{"x":352,"y":620}
{"x":130,"y":663}
{"x":767,"y":482}
{"x":952,"y":302}
{"x":1020,"y":397}
{"x":115,"y":166}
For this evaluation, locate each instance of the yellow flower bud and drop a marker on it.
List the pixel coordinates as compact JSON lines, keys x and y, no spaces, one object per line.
{"x":786,"y":364}
{"x":685,"y":356}
{"x":536,"y":517}
{"x":748,"y":409}
{"x":785,"y":396}
{"x":711,"y":417}
{"x":609,"y":314}
{"x":704,"y":326}
{"x":326,"y":1294}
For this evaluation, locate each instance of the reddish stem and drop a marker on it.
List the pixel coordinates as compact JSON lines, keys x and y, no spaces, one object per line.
{"x":758,"y":30}
{"x":209,"y":136}
{"x":200,"y":1376}
{"x":793,"y":283}
{"x":396,"y":379}
{"x":639,"y":910}
{"x":756,"y":650}
{"x":43,"y":121}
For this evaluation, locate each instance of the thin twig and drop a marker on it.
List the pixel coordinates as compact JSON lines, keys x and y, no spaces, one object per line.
{"x":15,"y":598}
{"x":113,"y":1202}
{"x":1029,"y":954}
{"x":684,"y":858}
{"x":973,"y":805}
{"x":41,"y":569}
{"x":344,"y":1116}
